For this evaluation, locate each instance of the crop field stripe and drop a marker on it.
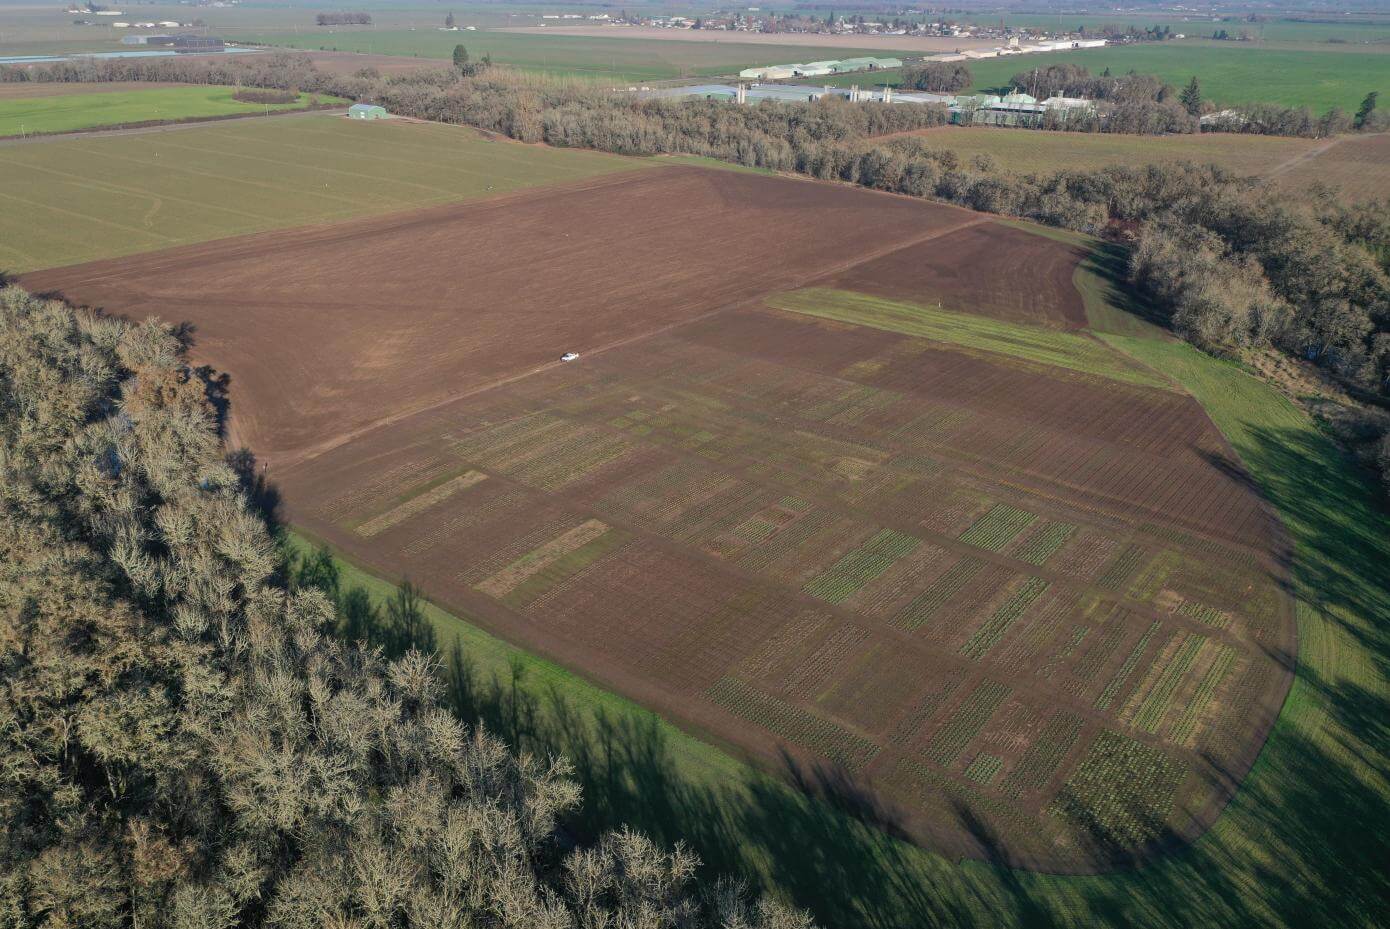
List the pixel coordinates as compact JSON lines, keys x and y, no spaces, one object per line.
{"x":990,"y":634}
{"x":793,"y":724}
{"x":1202,"y":696}
{"x":418,"y":504}
{"x":1046,"y":543}
{"x":925,"y":604}
{"x":1155,"y":705}
{"x":1028,"y":343}
{"x":1217,"y":619}
{"x":967,"y":721}
{"x":1042,"y":759}
{"x":1127,"y":668}
{"x":1123,"y":568}
{"x":998,"y":527}
{"x":510,"y":577}
{"x":561,"y":569}
{"x":862,"y":565}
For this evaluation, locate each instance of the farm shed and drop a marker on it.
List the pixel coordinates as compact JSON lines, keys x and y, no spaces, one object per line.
{"x":366,"y":111}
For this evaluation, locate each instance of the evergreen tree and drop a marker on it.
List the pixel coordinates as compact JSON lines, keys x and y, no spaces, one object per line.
{"x":449,"y":21}
{"x":461,"y":63}
{"x":1191,"y":97}
{"x":1363,"y":113}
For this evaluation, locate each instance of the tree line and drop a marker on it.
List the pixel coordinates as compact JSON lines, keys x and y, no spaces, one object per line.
{"x":343,"y":19}
{"x":193,"y":735}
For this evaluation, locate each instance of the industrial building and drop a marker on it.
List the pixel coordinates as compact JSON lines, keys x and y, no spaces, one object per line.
{"x":1014,"y":109}
{"x":818,"y":68}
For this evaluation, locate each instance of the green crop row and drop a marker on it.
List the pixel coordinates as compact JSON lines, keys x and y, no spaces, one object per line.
{"x":1116,"y":682}
{"x":1206,"y":690}
{"x":793,"y":536}
{"x":907,"y":728}
{"x":1122,"y":568}
{"x":988,"y":635}
{"x":1046,"y":543}
{"x":925,"y":604}
{"x":984,"y":768}
{"x":793,"y":724}
{"x":1217,"y":619}
{"x":1155,"y":705}
{"x":1122,"y":793}
{"x":1097,"y":655}
{"x":998,"y":527}
{"x":1041,"y":759}
{"x":970,"y":717}
{"x":861,"y":566}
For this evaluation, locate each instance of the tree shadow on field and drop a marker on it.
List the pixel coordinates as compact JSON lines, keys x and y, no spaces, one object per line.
{"x":1305,"y":841}
{"x":1109,"y":262}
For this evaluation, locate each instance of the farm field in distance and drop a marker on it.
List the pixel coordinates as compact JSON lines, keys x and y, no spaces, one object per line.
{"x":65,"y":112}
{"x":599,"y":57}
{"x":1026,"y":151}
{"x":1357,"y":166}
{"x":763,"y":502}
{"x":1230,"y":73}
{"x":83,"y":198}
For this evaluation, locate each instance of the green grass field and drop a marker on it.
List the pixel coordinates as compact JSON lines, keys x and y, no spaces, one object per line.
{"x":610,"y":59}
{"x":1027,"y":152}
{"x":1299,"y":845}
{"x":969,"y":331}
{"x":65,"y":113}
{"x":1230,"y":73}
{"x":78,"y":199}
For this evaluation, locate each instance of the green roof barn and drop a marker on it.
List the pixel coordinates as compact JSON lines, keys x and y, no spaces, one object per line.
{"x":366,"y":111}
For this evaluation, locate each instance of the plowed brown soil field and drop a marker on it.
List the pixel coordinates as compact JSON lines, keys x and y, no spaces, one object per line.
{"x":1006,"y":273}
{"x":329,"y":329}
{"x":1037,"y":612}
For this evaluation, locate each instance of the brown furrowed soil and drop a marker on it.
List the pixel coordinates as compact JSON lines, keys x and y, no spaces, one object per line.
{"x":1357,"y":166}
{"x":329,"y":329}
{"x":1037,"y":612}
{"x":1006,"y":273}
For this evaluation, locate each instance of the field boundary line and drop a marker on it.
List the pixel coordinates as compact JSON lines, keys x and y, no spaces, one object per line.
{"x":298,"y":458}
{"x":164,"y":126}
{"x":239,"y":246}
{"x":1311,"y":154}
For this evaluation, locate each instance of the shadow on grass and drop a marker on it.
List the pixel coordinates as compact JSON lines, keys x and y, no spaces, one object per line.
{"x":1306,"y":840}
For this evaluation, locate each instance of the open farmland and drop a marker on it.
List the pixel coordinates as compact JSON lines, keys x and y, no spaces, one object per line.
{"x":61,"y":111}
{"x":1358,"y":166}
{"x":610,"y":58}
{"x":997,"y":573}
{"x":77,"y":199}
{"x":1036,"y":152}
{"x":1230,"y":73}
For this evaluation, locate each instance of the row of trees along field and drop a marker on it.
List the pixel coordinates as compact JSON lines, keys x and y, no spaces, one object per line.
{"x":184,"y":740}
{"x":1230,"y":266}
